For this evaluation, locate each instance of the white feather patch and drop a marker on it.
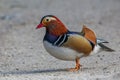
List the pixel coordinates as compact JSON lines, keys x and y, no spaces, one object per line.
{"x":61,"y":52}
{"x":97,"y":49}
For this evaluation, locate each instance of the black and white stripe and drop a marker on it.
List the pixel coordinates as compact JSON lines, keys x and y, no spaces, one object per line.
{"x":60,"y":40}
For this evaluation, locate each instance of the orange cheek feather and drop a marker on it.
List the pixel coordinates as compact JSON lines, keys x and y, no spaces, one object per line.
{"x":57,"y":28}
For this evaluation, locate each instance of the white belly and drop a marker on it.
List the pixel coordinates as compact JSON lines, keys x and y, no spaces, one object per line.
{"x":61,"y":52}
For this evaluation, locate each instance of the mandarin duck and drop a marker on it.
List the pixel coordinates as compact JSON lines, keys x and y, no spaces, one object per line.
{"x":70,"y":45}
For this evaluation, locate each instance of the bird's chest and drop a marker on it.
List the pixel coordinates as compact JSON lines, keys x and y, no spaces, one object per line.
{"x":50,"y":38}
{"x":61,"y":52}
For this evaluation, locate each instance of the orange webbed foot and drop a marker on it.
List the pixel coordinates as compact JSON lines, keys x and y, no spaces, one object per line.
{"x":77,"y":67}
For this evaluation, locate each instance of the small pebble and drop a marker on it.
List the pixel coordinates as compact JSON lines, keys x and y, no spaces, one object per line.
{"x":97,"y":79}
{"x":105,"y":68}
{"x":101,"y":58}
{"x":100,"y":22}
{"x":17,"y":69}
{"x":96,"y":62}
{"x":103,"y":55}
{"x":98,"y":55}
{"x":7,"y":17}
{"x":23,"y":62}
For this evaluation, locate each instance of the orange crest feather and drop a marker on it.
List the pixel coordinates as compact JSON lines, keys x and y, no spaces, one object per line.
{"x":89,"y":34}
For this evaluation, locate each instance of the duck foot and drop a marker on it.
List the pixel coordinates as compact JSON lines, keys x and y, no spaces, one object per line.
{"x":77,"y":67}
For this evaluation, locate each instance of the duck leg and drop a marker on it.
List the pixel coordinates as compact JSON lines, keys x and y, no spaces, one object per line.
{"x":77,"y":67}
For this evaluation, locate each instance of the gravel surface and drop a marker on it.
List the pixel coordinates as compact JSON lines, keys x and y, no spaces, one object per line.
{"x":22,"y":55}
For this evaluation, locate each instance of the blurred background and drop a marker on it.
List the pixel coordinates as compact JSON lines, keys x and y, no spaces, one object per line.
{"x":21,"y":47}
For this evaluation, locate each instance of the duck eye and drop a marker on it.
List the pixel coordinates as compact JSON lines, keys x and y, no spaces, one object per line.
{"x":47,"y":20}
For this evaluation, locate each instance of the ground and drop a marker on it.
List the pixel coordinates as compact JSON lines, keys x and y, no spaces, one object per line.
{"x":22,"y":55}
